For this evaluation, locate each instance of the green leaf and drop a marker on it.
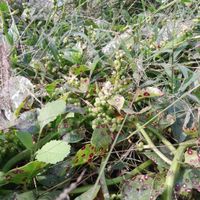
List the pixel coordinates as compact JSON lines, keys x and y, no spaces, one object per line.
{"x":26,"y":196}
{"x":148,"y":92}
{"x":186,"y":1}
{"x":90,"y":194}
{"x":25,"y":173}
{"x":143,"y":187}
{"x":101,"y":139}
{"x":187,"y":180}
{"x":54,"y":51}
{"x":117,"y":101}
{"x":4,"y":7}
{"x":55,"y":174}
{"x":193,"y":131}
{"x":51,"y":111}
{"x":189,"y":81}
{"x":2,"y":178}
{"x":13,"y":32}
{"x":74,"y":136}
{"x":50,"y":88}
{"x":84,"y":155}
{"x":73,"y":55}
{"x":25,"y":138}
{"x":77,"y":70}
{"x":167,"y":121}
{"x":192,"y":158}
{"x":53,"y":152}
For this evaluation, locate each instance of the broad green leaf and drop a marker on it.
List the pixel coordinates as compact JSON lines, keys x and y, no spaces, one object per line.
{"x":192,"y":158}
{"x":117,"y":101}
{"x":50,"y":111}
{"x":188,"y":180}
{"x":101,"y":139}
{"x":84,"y":155}
{"x":53,"y":152}
{"x":25,"y":173}
{"x":143,"y":187}
{"x":148,"y":92}
{"x":26,"y":139}
{"x":90,"y":194}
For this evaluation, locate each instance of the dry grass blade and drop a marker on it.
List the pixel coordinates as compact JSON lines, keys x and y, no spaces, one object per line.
{"x":4,"y":80}
{"x":4,"y":66}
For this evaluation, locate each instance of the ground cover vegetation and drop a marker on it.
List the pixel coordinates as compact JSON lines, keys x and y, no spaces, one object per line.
{"x":99,"y":99}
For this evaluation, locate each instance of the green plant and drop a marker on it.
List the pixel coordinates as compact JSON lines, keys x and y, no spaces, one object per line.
{"x":116,"y":97}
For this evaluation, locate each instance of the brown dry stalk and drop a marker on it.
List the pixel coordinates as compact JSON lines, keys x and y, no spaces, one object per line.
{"x":4,"y":82}
{"x":4,"y":66}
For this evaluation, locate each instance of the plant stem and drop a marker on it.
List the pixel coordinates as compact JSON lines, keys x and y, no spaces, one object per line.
{"x":174,"y":169}
{"x":162,"y":111}
{"x":103,"y":183}
{"x":134,"y":172}
{"x":168,"y":144}
{"x":4,"y":23}
{"x":117,"y":180}
{"x":151,"y":144}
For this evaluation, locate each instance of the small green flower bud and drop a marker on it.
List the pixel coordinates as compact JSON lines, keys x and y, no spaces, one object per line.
{"x":117,"y":64}
{"x":140,"y":146}
{"x":94,"y":126}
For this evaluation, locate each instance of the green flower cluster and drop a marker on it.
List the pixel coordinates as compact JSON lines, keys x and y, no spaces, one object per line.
{"x":104,"y":114}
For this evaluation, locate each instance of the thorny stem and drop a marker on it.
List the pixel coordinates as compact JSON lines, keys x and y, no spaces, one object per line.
{"x":174,"y":169}
{"x":151,"y":144}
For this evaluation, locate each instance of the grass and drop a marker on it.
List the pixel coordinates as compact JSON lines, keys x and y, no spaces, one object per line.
{"x":128,"y":72}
